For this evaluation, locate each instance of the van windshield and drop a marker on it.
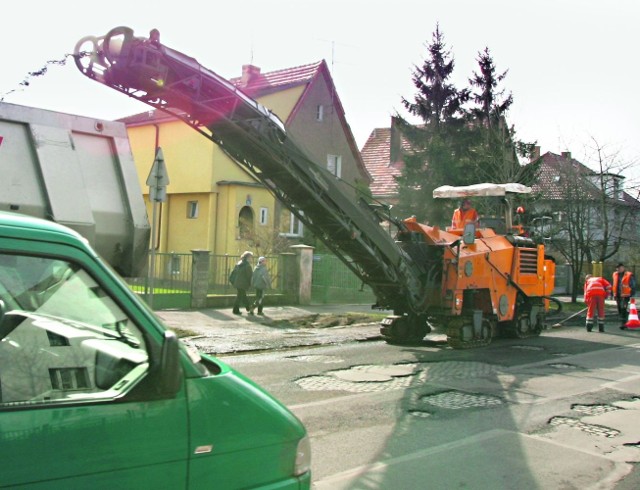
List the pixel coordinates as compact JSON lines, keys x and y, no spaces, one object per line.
{"x":62,"y":336}
{"x":57,"y":288}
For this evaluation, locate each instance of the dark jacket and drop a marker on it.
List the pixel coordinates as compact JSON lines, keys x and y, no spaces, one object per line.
{"x":243,"y":275}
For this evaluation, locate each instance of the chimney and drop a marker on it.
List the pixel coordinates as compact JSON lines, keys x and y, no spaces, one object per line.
{"x":395,"y":143}
{"x":249,"y":73}
{"x":566,"y":155}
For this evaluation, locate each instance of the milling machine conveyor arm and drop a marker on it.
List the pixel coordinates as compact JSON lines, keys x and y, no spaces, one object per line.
{"x":256,"y":139}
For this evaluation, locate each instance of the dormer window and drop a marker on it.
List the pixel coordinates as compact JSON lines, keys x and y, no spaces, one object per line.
{"x":320,"y":113}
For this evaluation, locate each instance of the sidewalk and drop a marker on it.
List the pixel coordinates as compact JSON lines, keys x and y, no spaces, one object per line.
{"x":219,"y":331}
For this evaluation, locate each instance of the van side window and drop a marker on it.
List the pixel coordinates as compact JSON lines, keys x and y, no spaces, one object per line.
{"x":62,"y":337}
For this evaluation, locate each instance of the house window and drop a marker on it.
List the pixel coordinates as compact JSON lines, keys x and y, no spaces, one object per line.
{"x":290,"y":225}
{"x":245,"y":222}
{"x":617,"y":190}
{"x":192,"y":209}
{"x":320,"y":113}
{"x":558,"y":216}
{"x":334,"y":165}
{"x":69,"y":378}
{"x":264,"y":216}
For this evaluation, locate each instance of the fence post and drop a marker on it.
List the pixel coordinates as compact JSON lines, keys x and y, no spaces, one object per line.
{"x":199,"y":278}
{"x":304,"y":268}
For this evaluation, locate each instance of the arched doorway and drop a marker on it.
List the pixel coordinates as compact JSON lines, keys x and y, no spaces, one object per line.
{"x":245,"y":222}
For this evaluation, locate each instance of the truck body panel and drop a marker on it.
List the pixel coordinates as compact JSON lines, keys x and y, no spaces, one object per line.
{"x":79,"y":172}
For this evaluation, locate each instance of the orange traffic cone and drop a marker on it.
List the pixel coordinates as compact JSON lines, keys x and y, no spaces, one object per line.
{"x":633,"y":321}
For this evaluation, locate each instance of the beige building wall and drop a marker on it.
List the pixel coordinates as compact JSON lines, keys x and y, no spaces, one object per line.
{"x":199,"y":172}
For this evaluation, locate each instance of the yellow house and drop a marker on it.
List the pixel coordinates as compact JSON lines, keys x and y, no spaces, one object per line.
{"x":213,"y":203}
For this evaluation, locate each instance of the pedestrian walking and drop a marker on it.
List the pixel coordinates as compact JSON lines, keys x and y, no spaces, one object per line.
{"x":241,"y":280}
{"x":596,"y":289}
{"x":624,"y":288}
{"x":260,"y":281}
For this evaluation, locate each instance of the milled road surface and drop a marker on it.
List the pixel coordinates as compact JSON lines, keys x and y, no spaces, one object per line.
{"x":557,"y":411}
{"x":222,"y":332}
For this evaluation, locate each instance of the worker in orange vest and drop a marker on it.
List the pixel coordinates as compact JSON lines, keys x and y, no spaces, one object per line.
{"x":596,"y":289}
{"x":465,"y":214}
{"x":624,"y":288}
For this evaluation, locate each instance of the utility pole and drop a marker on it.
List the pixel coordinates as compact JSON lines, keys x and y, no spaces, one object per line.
{"x":157,"y":181}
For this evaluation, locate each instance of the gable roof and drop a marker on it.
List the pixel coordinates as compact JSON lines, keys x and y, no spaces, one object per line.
{"x":252,"y":82}
{"x":256,"y":84}
{"x":377,"y":157}
{"x":555,"y":169}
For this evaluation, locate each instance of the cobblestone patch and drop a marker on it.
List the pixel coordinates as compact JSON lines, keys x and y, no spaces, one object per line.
{"x":375,"y":378}
{"x":596,"y":430}
{"x":597,"y":409}
{"x":329,"y":383}
{"x":455,"y":400}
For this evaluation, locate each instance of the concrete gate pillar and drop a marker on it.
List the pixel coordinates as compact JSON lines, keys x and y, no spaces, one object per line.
{"x":304,"y":255}
{"x":200,"y":264}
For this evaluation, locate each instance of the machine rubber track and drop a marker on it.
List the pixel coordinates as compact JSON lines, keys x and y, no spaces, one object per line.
{"x":456,"y":340}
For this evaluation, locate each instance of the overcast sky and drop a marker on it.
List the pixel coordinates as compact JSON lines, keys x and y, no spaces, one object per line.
{"x":573,"y":64}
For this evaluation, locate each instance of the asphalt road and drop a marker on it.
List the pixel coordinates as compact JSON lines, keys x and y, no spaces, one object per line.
{"x":556,"y":411}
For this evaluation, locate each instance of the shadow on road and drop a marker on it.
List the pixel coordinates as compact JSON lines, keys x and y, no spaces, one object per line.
{"x":473,"y":419}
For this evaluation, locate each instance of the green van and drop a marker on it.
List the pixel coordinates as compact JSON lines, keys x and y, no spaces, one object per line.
{"x":95,"y":393}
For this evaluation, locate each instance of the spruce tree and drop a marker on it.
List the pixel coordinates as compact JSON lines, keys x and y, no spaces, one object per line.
{"x":437,"y":144}
{"x":496,"y":149}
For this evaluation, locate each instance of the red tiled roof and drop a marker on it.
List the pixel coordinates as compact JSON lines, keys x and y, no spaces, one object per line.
{"x":261,"y":84}
{"x":554,"y":172}
{"x":376,"y":155}
{"x":554,"y":169}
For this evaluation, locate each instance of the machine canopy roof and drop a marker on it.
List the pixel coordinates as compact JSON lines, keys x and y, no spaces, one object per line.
{"x":482,"y":190}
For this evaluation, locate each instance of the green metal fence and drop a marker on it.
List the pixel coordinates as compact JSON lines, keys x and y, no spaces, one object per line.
{"x":171,"y":285}
{"x":172,"y":274}
{"x":333,"y":282}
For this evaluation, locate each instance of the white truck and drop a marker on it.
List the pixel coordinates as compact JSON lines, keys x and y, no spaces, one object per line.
{"x":77,"y":171}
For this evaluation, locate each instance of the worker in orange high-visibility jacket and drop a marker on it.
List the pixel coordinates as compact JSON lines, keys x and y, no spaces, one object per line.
{"x":463,"y":215}
{"x":624,"y":288}
{"x":596,"y":289}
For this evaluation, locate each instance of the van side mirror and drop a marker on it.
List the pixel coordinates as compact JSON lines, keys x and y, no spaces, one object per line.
{"x":170,"y":377}
{"x":469,"y":235}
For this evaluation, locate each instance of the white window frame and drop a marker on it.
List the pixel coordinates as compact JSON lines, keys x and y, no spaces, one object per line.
{"x":296,"y":228}
{"x":319,"y":113}
{"x":193,"y":209}
{"x":334,"y":165}
{"x":264,"y":216}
